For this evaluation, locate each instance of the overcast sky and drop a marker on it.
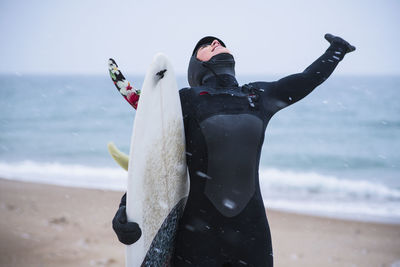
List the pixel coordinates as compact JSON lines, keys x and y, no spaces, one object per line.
{"x":266,"y":37}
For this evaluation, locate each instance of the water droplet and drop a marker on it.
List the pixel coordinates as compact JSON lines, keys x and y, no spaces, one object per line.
{"x":229,"y":203}
{"x":203,"y":175}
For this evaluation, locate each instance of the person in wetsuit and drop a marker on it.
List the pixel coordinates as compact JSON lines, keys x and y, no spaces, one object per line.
{"x":224,"y":222}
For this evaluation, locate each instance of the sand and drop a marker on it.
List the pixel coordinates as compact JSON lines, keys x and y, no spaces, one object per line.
{"x":45,"y":225}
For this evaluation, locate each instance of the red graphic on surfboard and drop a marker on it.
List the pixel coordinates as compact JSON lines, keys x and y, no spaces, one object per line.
{"x":124,"y":87}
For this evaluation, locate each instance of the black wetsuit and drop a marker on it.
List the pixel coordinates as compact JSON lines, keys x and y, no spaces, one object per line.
{"x":224,"y":221}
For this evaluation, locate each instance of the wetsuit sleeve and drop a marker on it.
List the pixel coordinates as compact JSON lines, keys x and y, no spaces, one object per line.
{"x":184,"y":95}
{"x":291,"y":89}
{"x":186,"y":104}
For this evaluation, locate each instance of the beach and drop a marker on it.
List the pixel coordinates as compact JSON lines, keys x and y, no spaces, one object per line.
{"x":47,"y":225}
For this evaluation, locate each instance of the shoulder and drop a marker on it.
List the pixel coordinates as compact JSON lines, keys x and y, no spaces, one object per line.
{"x":186,"y":96}
{"x":188,"y":92}
{"x":184,"y":90}
{"x":262,"y":85}
{"x":268,"y":92}
{"x":262,"y":88}
{"x":184,"y":93}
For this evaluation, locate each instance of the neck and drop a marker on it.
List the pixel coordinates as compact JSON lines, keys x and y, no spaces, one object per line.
{"x":219,"y":66}
{"x":221,"y":80}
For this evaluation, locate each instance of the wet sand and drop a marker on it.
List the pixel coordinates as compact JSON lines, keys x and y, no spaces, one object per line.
{"x":45,"y":225}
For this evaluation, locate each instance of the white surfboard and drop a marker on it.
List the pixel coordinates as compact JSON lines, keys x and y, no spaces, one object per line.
{"x":157,"y":178}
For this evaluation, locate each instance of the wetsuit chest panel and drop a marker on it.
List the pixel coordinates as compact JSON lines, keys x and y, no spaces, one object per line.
{"x":232,"y":148}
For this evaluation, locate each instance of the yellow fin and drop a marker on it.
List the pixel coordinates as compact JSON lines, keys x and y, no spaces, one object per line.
{"x":120,"y":157}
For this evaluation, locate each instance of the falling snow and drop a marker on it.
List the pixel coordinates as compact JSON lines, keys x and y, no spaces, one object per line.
{"x":203,"y":175}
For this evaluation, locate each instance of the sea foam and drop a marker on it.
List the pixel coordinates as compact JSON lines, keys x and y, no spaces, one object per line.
{"x":317,"y":194}
{"x":301,"y":192}
{"x":73,"y":175}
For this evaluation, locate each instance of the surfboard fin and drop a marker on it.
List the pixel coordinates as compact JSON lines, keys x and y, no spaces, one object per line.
{"x":120,"y":157}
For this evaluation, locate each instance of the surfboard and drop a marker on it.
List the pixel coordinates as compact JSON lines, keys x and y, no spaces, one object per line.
{"x":157,"y":173}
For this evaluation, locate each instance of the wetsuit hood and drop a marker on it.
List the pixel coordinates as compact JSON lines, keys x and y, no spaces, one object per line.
{"x":220,"y":67}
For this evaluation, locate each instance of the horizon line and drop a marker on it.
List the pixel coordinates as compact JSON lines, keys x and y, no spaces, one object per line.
{"x":179,"y":74}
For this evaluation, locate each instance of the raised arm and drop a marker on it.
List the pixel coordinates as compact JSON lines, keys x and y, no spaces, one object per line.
{"x":124,"y":87}
{"x":292,"y":88}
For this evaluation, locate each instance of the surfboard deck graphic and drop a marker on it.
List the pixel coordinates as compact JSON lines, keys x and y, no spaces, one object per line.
{"x":124,"y":87}
{"x":162,"y":248}
{"x":157,"y":176}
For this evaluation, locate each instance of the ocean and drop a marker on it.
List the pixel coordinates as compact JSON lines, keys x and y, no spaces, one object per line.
{"x":335,"y":153}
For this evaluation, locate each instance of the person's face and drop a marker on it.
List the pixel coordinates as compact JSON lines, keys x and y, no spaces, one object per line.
{"x":206,"y":52}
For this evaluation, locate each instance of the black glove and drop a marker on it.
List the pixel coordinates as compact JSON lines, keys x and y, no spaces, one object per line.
{"x":336,"y":40}
{"x":127,"y":232}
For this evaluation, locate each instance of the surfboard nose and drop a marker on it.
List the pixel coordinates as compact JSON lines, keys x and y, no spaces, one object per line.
{"x":160,"y":68}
